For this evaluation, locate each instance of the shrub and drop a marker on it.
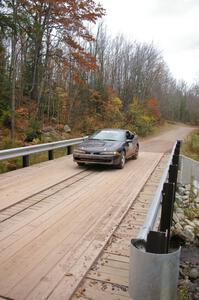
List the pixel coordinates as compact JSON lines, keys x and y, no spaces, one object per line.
{"x":6,"y":118}
{"x":8,"y":143}
{"x":190,"y":146}
{"x":34,"y":130}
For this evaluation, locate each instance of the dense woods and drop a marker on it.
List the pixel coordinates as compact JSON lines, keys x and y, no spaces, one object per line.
{"x":58,"y":65}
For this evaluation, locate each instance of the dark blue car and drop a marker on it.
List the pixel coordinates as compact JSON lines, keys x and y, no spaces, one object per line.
{"x":107,"y":147}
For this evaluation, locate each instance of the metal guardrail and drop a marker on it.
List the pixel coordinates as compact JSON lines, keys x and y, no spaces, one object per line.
{"x":28,"y":150}
{"x":153,"y":270}
{"x":156,"y":203}
{"x":158,"y":242}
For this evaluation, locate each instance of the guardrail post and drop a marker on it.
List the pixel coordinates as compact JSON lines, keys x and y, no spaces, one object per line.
{"x":156,"y":242}
{"x":175,"y":160}
{"x":173,"y":173}
{"x":50,"y":155}
{"x":177,"y":148}
{"x":26,"y":161}
{"x":168,"y":195}
{"x":69,"y":150}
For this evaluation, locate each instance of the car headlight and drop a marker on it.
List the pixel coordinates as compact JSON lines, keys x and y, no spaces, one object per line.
{"x":78,"y":151}
{"x":110,"y":153}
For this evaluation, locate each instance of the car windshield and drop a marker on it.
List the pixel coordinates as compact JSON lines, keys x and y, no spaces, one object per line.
{"x":110,"y":135}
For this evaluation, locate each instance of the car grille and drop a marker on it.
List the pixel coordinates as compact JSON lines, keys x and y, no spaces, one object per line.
{"x":95,"y":159}
{"x":96,"y":153}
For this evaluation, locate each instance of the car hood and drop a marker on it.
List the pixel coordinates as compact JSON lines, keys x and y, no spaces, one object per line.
{"x":100,"y":145}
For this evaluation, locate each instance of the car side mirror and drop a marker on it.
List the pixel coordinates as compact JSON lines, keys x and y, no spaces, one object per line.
{"x":129,"y":141}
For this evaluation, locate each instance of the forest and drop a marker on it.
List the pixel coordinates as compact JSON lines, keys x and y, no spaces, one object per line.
{"x":59,"y":68}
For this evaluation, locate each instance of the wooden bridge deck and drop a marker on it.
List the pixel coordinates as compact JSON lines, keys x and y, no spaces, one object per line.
{"x":56,"y":219}
{"x":49,"y":240}
{"x":108,"y":277}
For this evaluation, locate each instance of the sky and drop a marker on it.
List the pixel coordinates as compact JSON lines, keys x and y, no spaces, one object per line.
{"x":172,"y":26}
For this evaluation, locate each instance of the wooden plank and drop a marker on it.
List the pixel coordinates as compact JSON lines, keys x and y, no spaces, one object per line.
{"x":115,"y":257}
{"x":65,"y":197}
{"x":96,"y":290}
{"x":22,"y":183}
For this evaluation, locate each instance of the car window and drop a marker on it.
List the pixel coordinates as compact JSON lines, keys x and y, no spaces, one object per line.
{"x":110,"y":135}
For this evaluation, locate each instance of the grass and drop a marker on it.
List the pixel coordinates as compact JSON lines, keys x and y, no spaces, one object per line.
{"x":16,"y":163}
{"x":190,"y":146}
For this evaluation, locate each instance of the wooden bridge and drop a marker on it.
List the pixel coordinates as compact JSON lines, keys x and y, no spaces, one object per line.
{"x":57,"y":219}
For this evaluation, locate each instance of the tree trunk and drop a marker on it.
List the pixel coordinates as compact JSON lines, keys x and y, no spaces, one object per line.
{"x":13,"y":68}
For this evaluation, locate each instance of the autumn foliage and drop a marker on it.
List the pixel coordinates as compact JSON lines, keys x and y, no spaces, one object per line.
{"x":153,"y":108}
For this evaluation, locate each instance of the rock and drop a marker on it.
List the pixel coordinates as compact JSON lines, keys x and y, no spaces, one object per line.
{"x":179,"y":233}
{"x":196,"y":222}
{"x":194,"y":273}
{"x":187,"y":193}
{"x":192,"y":287}
{"x":192,"y":205}
{"x":196,"y":296}
{"x":54,"y":120}
{"x":197,"y":200}
{"x":189,"y":223}
{"x":175,"y":218}
{"x":47,"y":129}
{"x":181,"y":216}
{"x":195,"y":191}
{"x":178,"y":227}
{"x":188,"y":187}
{"x":188,"y":232}
{"x":179,"y":200}
{"x":184,"y":198}
{"x":67,"y":128}
{"x":196,"y":184}
{"x":179,"y":210}
{"x":181,"y":190}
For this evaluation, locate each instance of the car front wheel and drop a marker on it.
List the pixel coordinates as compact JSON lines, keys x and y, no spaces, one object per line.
{"x":80,"y":164}
{"x":122,"y":160}
{"x":135,"y":155}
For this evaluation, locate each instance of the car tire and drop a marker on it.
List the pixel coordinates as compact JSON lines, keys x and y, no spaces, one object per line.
{"x":80,"y":164}
{"x":135,"y":156}
{"x":122,"y":160}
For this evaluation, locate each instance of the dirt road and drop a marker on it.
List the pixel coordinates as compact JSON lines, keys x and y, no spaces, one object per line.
{"x":164,"y":140}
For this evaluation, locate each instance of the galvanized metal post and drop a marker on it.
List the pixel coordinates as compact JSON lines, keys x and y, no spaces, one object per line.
{"x":26,"y":161}
{"x":50,"y":155}
{"x":153,"y":276}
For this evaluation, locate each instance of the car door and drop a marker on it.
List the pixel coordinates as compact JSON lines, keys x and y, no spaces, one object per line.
{"x":129,"y":144}
{"x":135,"y":143}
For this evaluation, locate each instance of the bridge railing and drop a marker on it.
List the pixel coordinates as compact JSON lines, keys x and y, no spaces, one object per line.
{"x":154,"y":268}
{"x":163,"y":200}
{"x":26,"y":151}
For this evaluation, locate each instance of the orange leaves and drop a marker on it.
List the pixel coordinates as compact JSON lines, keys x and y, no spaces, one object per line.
{"x":72,"y":43}
{"x":95,"y":94}
{"x":85,"y":60}
{"x":23,"y":112}
{"x":153,"y":102}
{"x":153,"y":108}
